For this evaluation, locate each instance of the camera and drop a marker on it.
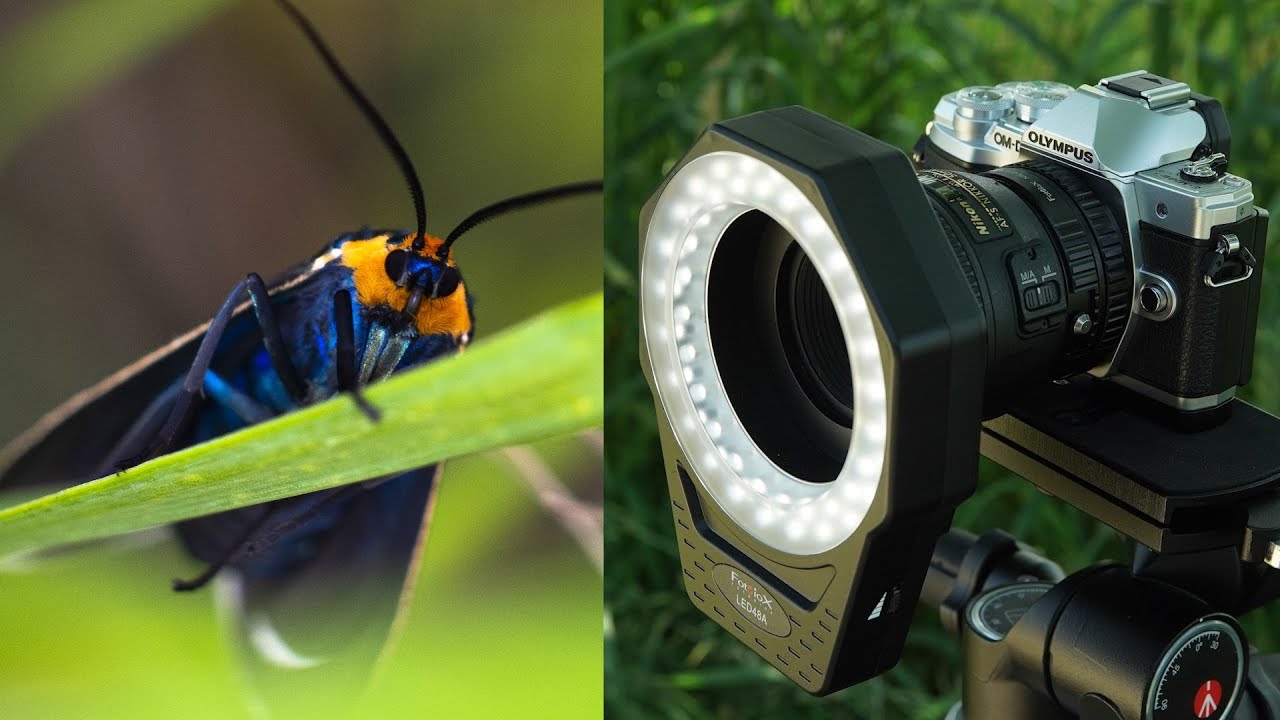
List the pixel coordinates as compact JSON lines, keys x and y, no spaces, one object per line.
{"x":833,"y":335}
{"x":1155,"y":246}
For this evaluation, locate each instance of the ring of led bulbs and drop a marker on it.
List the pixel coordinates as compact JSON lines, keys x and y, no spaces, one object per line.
{"x":689,"y":219}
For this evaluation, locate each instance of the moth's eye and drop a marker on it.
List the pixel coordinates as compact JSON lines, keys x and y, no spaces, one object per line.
{"x":449,"y":280}
{"x":395,"y":265}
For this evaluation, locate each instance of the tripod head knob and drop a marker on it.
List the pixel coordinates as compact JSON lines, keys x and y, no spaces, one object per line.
{"x":964,"y":565}
{"x":1101,"y":644}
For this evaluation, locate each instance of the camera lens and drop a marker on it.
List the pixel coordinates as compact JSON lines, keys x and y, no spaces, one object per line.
{"x":811,"y":337}
{"x":1040,"y":251}
{"x":779,"y":348}
{"x":1037,"y":247}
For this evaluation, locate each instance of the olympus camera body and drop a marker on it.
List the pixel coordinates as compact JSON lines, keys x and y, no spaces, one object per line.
{"x":1171,"y":282}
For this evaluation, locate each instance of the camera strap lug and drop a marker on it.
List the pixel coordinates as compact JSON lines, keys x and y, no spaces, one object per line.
{"x":1228,"y":263}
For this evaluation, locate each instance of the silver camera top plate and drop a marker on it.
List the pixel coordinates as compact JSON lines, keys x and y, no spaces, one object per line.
{"x":1122,"y":126}
{"x":1114,"y":134}
{"x":1169,"y":201}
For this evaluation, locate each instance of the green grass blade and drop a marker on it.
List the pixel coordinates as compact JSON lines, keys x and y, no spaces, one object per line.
{"x":656,"y":43}
{"x":540,"y":379}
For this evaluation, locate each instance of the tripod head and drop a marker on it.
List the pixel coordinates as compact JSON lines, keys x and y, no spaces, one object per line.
{"x":1156,"y":639}
{"x":1203,"y":507}
{"x":1101,"y":644}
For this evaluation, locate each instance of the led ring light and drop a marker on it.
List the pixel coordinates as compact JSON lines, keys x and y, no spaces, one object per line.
{"x":818,"y":413}
{"x":787,"y":512}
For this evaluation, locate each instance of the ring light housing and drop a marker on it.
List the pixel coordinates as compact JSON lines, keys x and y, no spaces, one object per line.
{"x":806,"y":518}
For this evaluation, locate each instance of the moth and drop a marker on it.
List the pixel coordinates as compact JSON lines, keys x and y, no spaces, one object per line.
{"x":315,"y":575}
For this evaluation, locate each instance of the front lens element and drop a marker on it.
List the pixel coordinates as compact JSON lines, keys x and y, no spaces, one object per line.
{"x":780,"y":349}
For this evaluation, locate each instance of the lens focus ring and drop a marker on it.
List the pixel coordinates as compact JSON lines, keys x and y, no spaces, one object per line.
{"x":1040,"y":251}
{"x":1097,"y":260}
{"x":962,"y":258}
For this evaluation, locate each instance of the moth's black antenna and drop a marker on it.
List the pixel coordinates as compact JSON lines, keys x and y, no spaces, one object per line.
{"x":370,"y":113}
{"x":518,"y":202}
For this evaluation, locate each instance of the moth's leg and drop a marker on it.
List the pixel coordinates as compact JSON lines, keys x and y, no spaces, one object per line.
{"x":271,"y":534}
{"x":138,"y":437}
{"x":250,"y":411}
{"x":273,"y":339}
{"x":189,"y":392}
{"x":230,"y":554}
{"x":184,"y":403}
{"x":137,"y":440}
{"x":345,"y":351}
{"x":262,"y":534}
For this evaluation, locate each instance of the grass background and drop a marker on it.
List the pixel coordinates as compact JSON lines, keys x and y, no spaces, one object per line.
{"x":674,"y":66}
{"x":153,"y":153}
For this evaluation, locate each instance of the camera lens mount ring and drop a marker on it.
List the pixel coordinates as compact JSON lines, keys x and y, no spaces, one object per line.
{"x":700,"y":202}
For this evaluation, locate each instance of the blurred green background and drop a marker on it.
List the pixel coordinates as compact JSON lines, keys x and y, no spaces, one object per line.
{"x":671,"y":68}
{"x":153,"y":153}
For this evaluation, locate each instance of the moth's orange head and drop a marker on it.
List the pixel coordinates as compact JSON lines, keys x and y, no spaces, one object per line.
{"x":387,"y":270}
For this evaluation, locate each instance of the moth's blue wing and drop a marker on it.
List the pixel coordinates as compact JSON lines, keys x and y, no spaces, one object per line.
{"x":320,"y":626}
{"x":69,"y":444}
